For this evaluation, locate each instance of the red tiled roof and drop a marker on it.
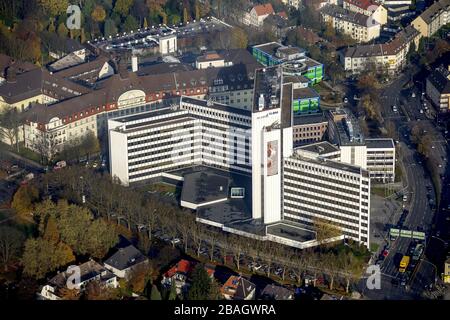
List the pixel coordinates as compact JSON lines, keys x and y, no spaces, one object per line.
{"x":183,"y":266}
{"x":363,"y":4}
{"x":282,"y":14}
{"x":264,"y":9}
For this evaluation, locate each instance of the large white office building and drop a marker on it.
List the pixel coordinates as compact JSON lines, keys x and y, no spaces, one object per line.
{"x":193,"y":132}
{"x":256,"y":183}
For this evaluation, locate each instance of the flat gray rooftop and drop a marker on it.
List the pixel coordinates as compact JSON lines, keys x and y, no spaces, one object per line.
{"x":202,"y":187}
{"x":291,"y":231}
{"x":320,"y":148}
{"x":379,"y":143}
{"x":313,"y":118}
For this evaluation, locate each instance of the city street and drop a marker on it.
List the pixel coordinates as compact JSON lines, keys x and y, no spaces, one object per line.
{"x":420,"y":192}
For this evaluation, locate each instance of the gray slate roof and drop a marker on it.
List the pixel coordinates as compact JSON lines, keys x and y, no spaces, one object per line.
{"x":125,"y":258}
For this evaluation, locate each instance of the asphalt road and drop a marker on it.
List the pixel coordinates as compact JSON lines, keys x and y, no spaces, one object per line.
{"x":409,"y":105}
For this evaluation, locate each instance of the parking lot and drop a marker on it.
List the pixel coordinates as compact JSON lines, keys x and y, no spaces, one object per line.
{"x":147,"y":38}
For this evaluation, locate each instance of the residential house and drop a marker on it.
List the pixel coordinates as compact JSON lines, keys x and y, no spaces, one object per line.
{"x":124,"y":261}
{"x":89,"y":271}
{"x":358,"y":26}
{"x":258,"y":14}
{"x":390,"y":56}
{"x":368,"y":8}
{"x":180,"y":274}
{"x":433,"y":18}
{"x":438,"y":88}
{"x":238,"y":288}
{"x":273,"y":292}
{"x":292,"y":3}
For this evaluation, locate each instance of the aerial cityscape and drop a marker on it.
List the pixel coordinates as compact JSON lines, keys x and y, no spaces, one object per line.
{"x":224,"y":150}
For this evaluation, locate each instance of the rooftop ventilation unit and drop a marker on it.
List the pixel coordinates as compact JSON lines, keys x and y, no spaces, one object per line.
{"x":261,"y":102}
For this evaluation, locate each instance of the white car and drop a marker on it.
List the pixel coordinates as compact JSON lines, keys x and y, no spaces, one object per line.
{"x":421,"y":110}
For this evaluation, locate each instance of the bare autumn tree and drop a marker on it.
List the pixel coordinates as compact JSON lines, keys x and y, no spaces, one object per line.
{"x":185,"y":223}
{"x":9,"y":126}
{"x":331,"y":267}
{"x":197,"y":235}
{"x":212,"y":239}
{"x":255,"y":248}
{"x":225,"y":244}
{"x":285,"y":257}
{"x":352,"y":269}
{"x":150,"y":217}
{"x":237,"y":248}
{"x":270,"y":249}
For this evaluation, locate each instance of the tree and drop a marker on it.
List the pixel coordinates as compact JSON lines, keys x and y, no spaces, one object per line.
{"x":197,"y":11}
{"x":96,"y":291}
{"x":352,"y":267}
{"x":101,"y":238}
{"x":139,"y":277}
{"x":173,"y":292}
{"x":201,"y":284}
{"x":213,"y":238}
{"x":9,"y":126}
{"x":110,"y":28}
{"x":11,"y":242}
{"x":197,"y":234}
{"x":122,"y":7}
{"x":185,"y":16}
{"x":236,"y":247}
{"x":69,"y":294}
{"x":98,"y":14}
{"x":325,"y":230}
{"x":214,"y":290}
{"x":74,"y":224}
{"x":51,"y":230}
{"x":155,"y":294}
{"x":62,"y":30}
{"x":130,"y":24}
{"x":42,"y":256}
{"x":391,"y":129}
{"x":53,"y":7}
{"x":239,"y":38}
{"x":24,"y":199}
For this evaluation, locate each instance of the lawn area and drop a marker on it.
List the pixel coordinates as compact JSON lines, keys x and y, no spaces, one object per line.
{"x":374,"y":247}
{"x":382,"y":192}
{"x":160,"y":187}
{"x":27,"y":153}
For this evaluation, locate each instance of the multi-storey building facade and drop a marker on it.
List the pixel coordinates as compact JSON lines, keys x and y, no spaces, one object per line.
{"x":375,"y":155}
{"x":293,"y":59}
{"x":358,"y":26}
{"x":390,"y":56}
{"x":257,"y":143}
{"x":146,"y":145}
{"x":368,"y":8}
{"x":327,"y":190}
{"x":433,"y":18}
{"x":438,"y":88}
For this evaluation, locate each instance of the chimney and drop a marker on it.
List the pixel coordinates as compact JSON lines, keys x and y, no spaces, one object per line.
{"x":11,"y":75}
{"x":123,"y":71}
{"x":134,"y":63}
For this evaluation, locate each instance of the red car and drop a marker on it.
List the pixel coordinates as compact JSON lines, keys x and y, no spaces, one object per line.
{"x":385,"y":253}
